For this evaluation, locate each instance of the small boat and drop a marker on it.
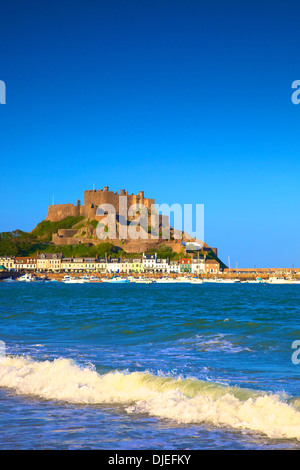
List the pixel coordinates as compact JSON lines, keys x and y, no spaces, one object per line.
{"x":258,"y":280}
{"x":72,"y":280}
{"x":183,"y":279}
{"x":165,"y":280}
{"x":26,"y":278}
{"x":196,"y":281}
{"x":143,"y":280}
{"x":38,"y":279}
{"x":119,"y":280}
{"x":278,"y":280}
{"x":95,"y":279}
{"x":9,"y":279}
{"x":85,"y":278}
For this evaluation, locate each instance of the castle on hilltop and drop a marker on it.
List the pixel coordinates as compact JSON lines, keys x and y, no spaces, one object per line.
{"x":84,"y":230}
{"x":92,"y":199}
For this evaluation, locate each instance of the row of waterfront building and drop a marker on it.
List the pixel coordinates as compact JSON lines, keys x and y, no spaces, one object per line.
{"x":55,"y":262}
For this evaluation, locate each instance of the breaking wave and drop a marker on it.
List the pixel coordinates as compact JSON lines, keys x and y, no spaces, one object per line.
{"x":185,"y":401}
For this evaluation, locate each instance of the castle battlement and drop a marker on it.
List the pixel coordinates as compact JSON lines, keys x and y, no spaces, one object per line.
{"x":94,"y":198}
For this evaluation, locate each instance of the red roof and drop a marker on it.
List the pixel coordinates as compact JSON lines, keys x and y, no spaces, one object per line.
{"x":25,"y":260}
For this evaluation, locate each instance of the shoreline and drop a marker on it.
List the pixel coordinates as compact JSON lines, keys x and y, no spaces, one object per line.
{"x":263,"y":275}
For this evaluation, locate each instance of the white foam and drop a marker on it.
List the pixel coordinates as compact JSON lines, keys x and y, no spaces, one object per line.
{"x":184,"y":401}
{"x":215,"y":343}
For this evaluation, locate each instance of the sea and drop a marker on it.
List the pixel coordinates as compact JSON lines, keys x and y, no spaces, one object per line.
{"x":149,"y":366}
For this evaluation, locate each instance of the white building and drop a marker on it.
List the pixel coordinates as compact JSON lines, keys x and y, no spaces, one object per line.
{"x":162,"y":266}
{"x":101,"y":265}
{"x":67,"y":264}
{"x":114,"y":265}
{"x":90,"y":264}
{"x":149,"y":262}
{"x":49,"y":262}
{"x":126,"y":266}
{"x":174,"y":267}
{"x":198,"y":265}
{"x":25,"y":263}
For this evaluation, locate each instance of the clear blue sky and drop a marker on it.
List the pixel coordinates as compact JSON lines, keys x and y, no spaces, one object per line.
{"x":189,"y":101}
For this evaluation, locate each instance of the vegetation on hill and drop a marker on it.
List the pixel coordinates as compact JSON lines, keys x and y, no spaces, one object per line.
{"x":19,"y":243}
{"x":94,"y":223}
{"x":45,"y":229}
{"x":16,"y":243}
{"x":81,"y":251}
{"x":163,"y":252}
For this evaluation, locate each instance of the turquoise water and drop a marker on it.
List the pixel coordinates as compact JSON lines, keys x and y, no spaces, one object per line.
{"x":135,"y":366}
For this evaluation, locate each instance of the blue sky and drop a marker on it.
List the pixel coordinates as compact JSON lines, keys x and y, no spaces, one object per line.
{"x":189,"y":101}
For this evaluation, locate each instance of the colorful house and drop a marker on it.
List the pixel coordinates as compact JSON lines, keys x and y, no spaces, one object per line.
{"x":212,"y":266}
{"x":185,"y":265}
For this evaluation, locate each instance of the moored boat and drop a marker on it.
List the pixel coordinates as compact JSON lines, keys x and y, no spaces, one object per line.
{"x":196,"y":280}
{"x":183,"y":279}
{"x":165,"y":280}
{"x":143,"y":280}
{"x":278,"y":280}
{"x":119,"y":280}
{"x":26,"y":278}
{"x":95,"y":279}
{"x":9,"y":279}
{"x":72,"y":280}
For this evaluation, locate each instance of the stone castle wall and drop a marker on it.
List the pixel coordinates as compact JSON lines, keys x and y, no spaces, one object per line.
{"x":93,"y":199}
{"x":59,"y":212}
